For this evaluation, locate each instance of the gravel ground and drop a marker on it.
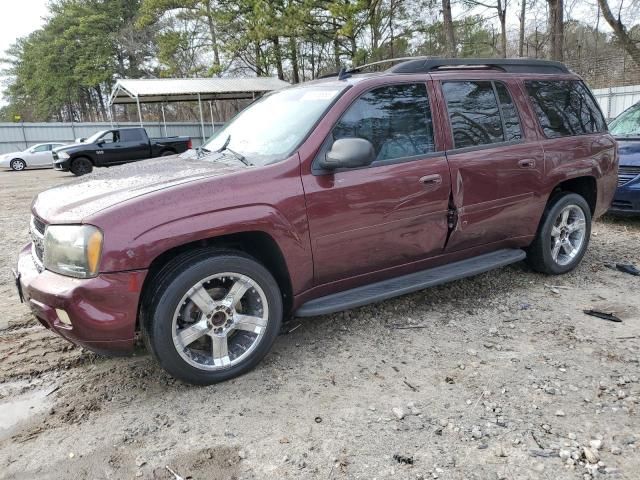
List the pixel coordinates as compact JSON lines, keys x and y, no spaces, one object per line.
{"x":500,"y":376}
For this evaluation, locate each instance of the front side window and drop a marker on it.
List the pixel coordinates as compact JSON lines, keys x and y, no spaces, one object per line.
{"x":627,"y":123}
{"x":565,"y":108}
{"x":396,"y":120}
{"x":109,"y":137}
{"x":270,"y":129}
{"x":40,"y":148}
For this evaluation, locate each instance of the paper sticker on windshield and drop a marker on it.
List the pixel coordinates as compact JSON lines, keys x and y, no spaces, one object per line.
{"x":319,"y":95}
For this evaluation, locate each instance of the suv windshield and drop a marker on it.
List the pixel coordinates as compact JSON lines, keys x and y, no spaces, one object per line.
{"x":627,"y":123}
{"x":270,"y":129}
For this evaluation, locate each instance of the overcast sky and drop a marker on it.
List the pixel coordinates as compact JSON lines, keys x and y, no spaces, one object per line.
{"x":19,"y":18}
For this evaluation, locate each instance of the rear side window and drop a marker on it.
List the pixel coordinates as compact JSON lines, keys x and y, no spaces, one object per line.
{"x":509,"y":113}
{"x":481,"y":113}
{"x":396,"y":119}
{"x":565,"y":108}
{"x":131,"y":136}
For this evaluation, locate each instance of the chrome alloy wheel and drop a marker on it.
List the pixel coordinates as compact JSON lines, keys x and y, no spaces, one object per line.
{"x":220,"y":321}
{"x":568,"y":234}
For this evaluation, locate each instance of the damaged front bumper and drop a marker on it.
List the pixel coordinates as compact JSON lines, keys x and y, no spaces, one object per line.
{"x":97,"y":313}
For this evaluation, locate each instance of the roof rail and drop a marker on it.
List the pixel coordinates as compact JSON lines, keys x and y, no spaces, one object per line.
{"x":510,"y":65}
{"x":431,"y":64}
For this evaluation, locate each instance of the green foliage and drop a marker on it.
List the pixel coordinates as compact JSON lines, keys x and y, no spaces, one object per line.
{"x":63,"y":70}
{"x":66,"y":69}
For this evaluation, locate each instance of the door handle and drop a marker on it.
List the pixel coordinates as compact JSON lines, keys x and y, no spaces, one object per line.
{"x":527,"y":163}
{"x":435,"y":179}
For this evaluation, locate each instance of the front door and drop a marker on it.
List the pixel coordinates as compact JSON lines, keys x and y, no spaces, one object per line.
{"x":497,"y":166}
{"x":392,"y":212}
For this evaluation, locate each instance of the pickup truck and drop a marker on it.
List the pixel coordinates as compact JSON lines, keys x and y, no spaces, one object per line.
{"x":114,"y":147}
{"x":321,"y":197}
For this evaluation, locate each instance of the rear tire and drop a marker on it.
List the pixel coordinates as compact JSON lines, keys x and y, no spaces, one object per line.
{"x":17,"y":164}
{"x":211,"y":315}
{"x":167,"y":153}
{"x":563,"y":235}
{"x":81,"y":166}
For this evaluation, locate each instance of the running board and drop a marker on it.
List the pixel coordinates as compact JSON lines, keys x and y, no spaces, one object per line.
{"x":379,"y":291}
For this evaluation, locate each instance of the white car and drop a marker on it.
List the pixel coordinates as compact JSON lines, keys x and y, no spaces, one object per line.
{"x":36,"y":156}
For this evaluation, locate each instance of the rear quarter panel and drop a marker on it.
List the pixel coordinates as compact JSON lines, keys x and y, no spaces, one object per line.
{"x":592,"y":155}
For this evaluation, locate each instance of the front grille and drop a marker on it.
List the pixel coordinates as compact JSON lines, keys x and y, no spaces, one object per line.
{"x":626,"y":174}
{"x":55,"y":155}
{"x":38,"y":224}
{"x":36,"y":231}
{"x":622,"y":205}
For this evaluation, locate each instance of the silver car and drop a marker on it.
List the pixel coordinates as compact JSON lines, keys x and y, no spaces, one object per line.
{"x":36,"y":156}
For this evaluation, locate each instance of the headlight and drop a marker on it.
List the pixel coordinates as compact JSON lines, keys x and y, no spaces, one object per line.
{"x":73,"y":250}
{"x":62,"y":155}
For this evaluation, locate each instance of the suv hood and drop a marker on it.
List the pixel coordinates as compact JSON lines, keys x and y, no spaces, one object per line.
{"x":629,"y":151}
{"x":73,"y":202}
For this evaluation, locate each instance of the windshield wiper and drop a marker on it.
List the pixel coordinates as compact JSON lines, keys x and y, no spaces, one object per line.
{"x":201,"y":152}
{"x":239,"y":156}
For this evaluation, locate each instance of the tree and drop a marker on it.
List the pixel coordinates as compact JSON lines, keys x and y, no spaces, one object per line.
{"x":449,"y":35}
{"x":620,"y":30}
{"x":500,"y":6}
{"x":522,"y":20}
{"x":555,"y":28}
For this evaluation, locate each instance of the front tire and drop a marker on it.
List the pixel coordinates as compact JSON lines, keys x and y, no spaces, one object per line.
{"x":17,"y":164}
{"x":211,"y":315}
{"x":563,"y":235}
{"x":81,"y":166}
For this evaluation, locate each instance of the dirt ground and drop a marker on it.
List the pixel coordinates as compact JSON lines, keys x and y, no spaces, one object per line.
{"x":501,"y":376}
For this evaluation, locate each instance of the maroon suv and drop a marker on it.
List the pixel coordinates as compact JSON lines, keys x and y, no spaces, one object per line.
{"x":321,"y":197}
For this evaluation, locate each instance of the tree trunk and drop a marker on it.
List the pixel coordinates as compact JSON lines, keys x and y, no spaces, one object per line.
{"x":523,"y":11}
{"x":258,"y":53}
{"x":336,"y":46}
{"x":213,"y":33}
{"x":449,"y":37}
{"x":293,"y":46}
{"x":620,"y":31}
{"x":278,"y":54}
{"x":103,"y":109}
{"x":556,"y":29}
{"x":502,"y":16}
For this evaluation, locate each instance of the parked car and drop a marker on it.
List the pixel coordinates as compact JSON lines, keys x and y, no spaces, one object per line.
{"x":36,"y":156}
{"x":115,"y":147}
{"x":322,"y":197}
{"x":626,"y":129}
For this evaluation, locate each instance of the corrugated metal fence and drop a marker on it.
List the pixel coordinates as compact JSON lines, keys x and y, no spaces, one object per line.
{"x":19,"y":136}
{"x":615,"y":100}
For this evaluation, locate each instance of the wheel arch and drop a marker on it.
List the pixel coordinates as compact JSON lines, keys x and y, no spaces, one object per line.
{"x":585,"y":186}
{"x":84,"y":155}
{"x":258,"y":244}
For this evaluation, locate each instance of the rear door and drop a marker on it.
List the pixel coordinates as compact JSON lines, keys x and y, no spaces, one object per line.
{"x":392,"y":212}
{"x":134,"y":144}
{"x":497,"y":165}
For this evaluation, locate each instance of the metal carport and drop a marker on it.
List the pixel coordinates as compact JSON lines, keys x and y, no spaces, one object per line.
{"x":166,"y":90}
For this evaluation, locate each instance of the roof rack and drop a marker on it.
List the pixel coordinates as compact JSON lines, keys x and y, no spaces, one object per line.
{"x":431,"y":64}
{"x":510,"y":65}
